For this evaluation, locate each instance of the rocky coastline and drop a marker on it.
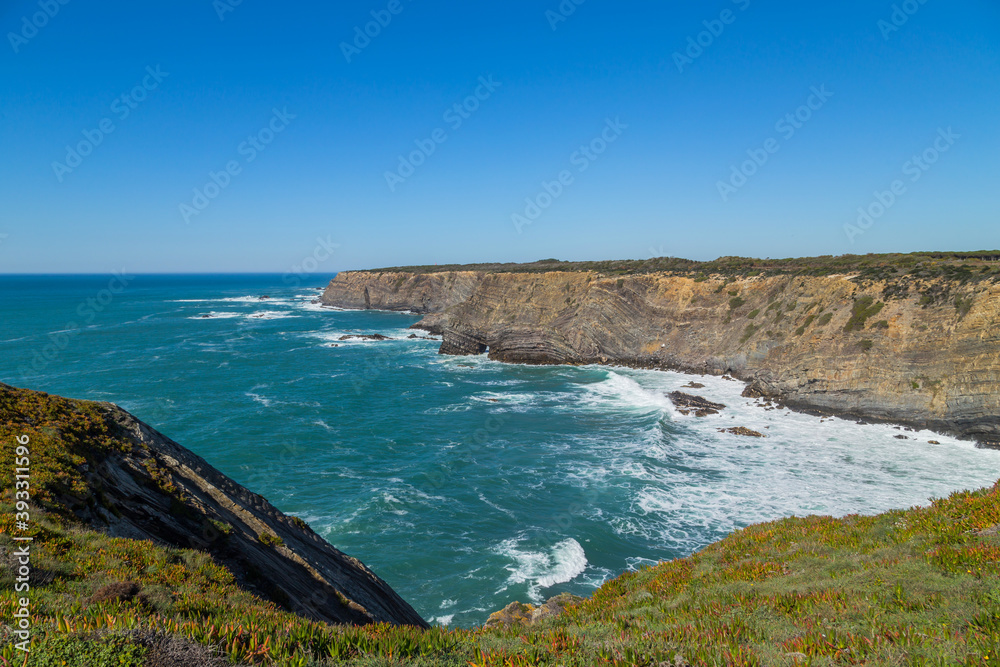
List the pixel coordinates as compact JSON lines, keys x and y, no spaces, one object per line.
{"x":915,"y":347}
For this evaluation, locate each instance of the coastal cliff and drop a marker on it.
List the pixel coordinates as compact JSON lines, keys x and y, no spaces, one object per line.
{"x":96,"y":466}
{"x":904,"y":339}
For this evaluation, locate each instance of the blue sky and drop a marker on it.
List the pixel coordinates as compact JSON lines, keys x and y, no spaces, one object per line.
{"x":204,"y":81}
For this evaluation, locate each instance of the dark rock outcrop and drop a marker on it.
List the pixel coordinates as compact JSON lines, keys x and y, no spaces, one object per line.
{"x":154,"y":489}
{"x":702,"y":407}
{"x":742,"y":430}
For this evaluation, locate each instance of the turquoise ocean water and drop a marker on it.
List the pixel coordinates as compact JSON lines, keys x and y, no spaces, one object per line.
{"x":465,"y":483}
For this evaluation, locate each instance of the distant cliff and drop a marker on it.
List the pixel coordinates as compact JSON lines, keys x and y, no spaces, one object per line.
{"x":95,"y":465}
{"x":905,"y":339}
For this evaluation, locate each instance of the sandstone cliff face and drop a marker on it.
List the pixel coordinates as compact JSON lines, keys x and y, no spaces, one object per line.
{"x":423,"y":293}
{"x":162,"y":492}
{"x":926,"y":356}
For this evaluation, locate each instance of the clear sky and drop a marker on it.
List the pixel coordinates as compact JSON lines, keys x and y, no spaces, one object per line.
{"x":310,"y":117}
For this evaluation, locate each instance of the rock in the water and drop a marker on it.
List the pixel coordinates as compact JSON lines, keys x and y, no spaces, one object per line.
{"x":742,"y":430}
{"x":364,"y":337}
{"x":757,"y":389}
{"x":694,"y":385}
{"x":702,"y":407}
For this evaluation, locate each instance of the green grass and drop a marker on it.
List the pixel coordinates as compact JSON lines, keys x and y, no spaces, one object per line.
{"x":912,"y":587}
{"x":962,"y":266}
{"x":271,"y":540}
{"x":115,"y":651}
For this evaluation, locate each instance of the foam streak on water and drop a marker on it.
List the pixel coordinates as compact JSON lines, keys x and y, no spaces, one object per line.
{"x":463,"y":482}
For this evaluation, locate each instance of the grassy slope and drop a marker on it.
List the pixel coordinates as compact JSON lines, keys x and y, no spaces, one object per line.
{"x":917,"y":587}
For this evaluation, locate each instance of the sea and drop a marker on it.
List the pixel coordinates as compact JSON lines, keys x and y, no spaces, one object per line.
{"x":465,"y":483}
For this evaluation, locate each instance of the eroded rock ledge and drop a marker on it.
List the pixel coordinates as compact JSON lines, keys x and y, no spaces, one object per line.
{"x":154,"y":489}
{"x":924,"y":352}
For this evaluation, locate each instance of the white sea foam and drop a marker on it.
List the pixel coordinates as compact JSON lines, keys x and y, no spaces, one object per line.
{"x":688,"y":482}
{"x":257,"y":398}
{"x":250,"y":299}
{"x":503,"y":383}
{"x":216,"y":316}
{"x":443,"y":620}
{"x":620,"y":390}
{"x":540,"y":570}
{"x":497,"y":507}
{"x":237,"y":299}
{"x":314,"y":297}
{"x":395,"y":504}
{"x":569,"y":562}
{"x":444,"y":409}
{"x":270,"y":315}
{"x":508,"y":401}
{"x":395,"y":336}
{"x":315,"y":307}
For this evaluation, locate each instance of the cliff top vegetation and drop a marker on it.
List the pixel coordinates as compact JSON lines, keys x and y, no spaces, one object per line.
{"x":969,"y":266}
